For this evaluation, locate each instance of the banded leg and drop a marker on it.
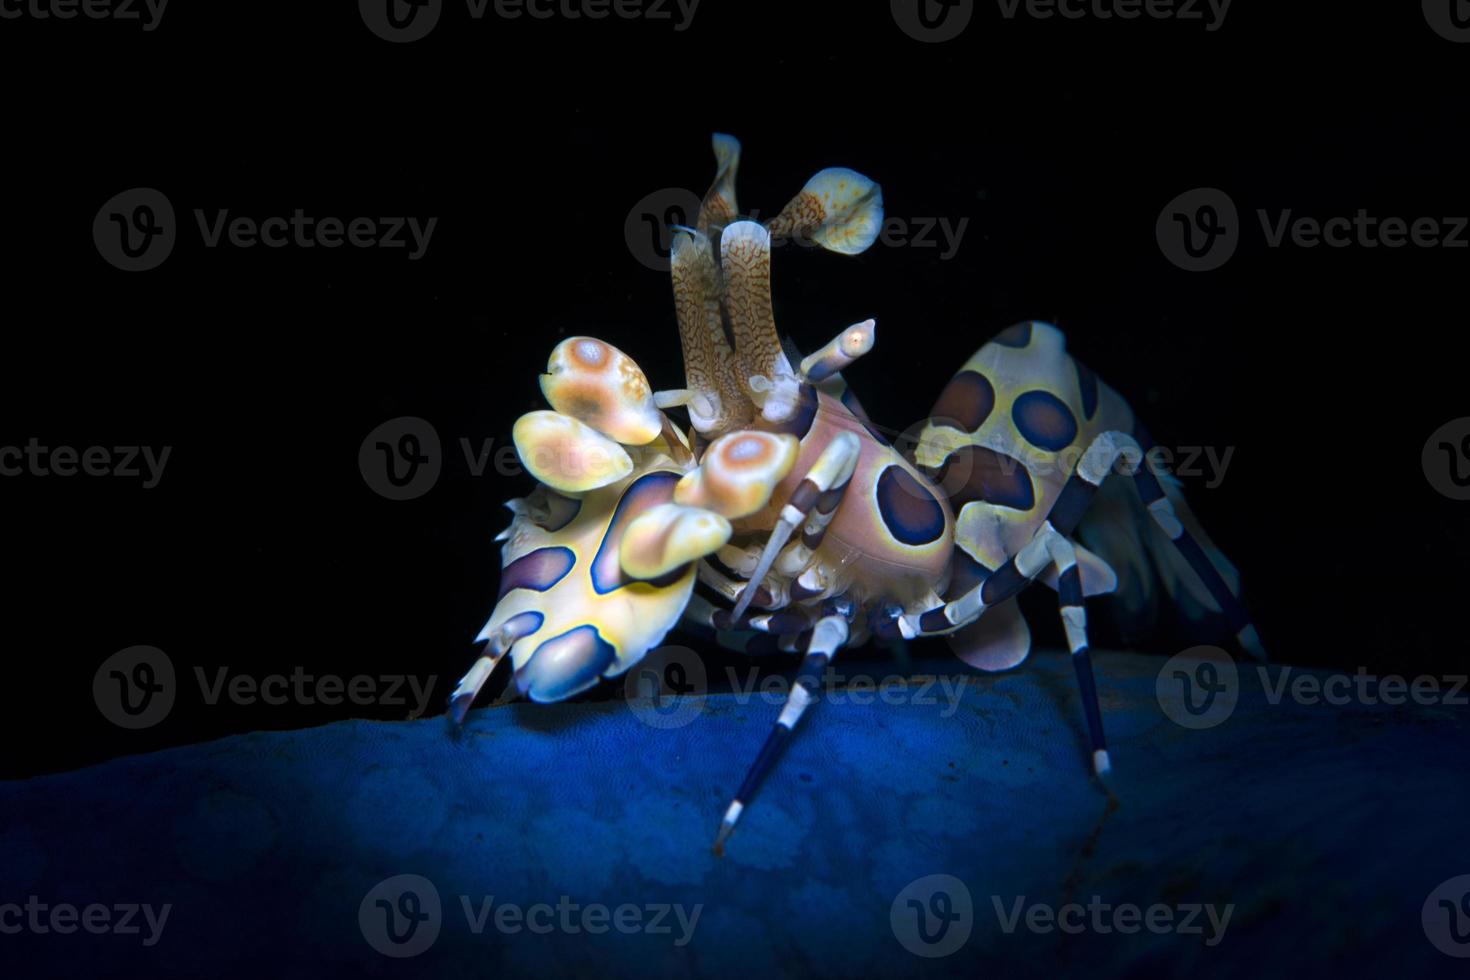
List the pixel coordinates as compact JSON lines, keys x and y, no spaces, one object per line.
{"x":1074,"y":621}
{"x":832,"y":469}
{"x":1048,"y":547}
{"x":495,"y":650}
{"x":797,"y":561}
{"x":800,"y":556}
{"x":469,"y":687}
{"x":1018,"y":571}
{"x":753,"y":636}
{"x":790,"y":620}
{"x":1162,"y":511}
{"x":754,"y":643}
{"x":828,"y":635}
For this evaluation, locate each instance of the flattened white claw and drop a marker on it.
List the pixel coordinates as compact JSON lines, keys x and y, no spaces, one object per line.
{"x":567,"y":455}
{"x":738,"y":473}
{"x":670,"y":536}
{"x":595,"y":383}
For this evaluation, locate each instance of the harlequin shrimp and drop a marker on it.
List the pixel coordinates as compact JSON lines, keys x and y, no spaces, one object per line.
{"x":808,"y":528}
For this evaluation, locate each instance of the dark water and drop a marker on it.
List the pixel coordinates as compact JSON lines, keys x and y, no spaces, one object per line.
{"x":181,"y":445}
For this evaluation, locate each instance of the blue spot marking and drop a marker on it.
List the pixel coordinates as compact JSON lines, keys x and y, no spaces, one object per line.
{"x":645,"y":492}
{"x":976,"y":473}
{"x":524,"y":624}
{"x":1044,"y":420}
{"x":538,"y":571}
{"x":566,"y":665}
{"x":909,"y":510}
{"x":965,"y":403}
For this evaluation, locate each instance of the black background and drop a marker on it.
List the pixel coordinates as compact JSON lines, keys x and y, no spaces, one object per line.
{"x":262,"y":549}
